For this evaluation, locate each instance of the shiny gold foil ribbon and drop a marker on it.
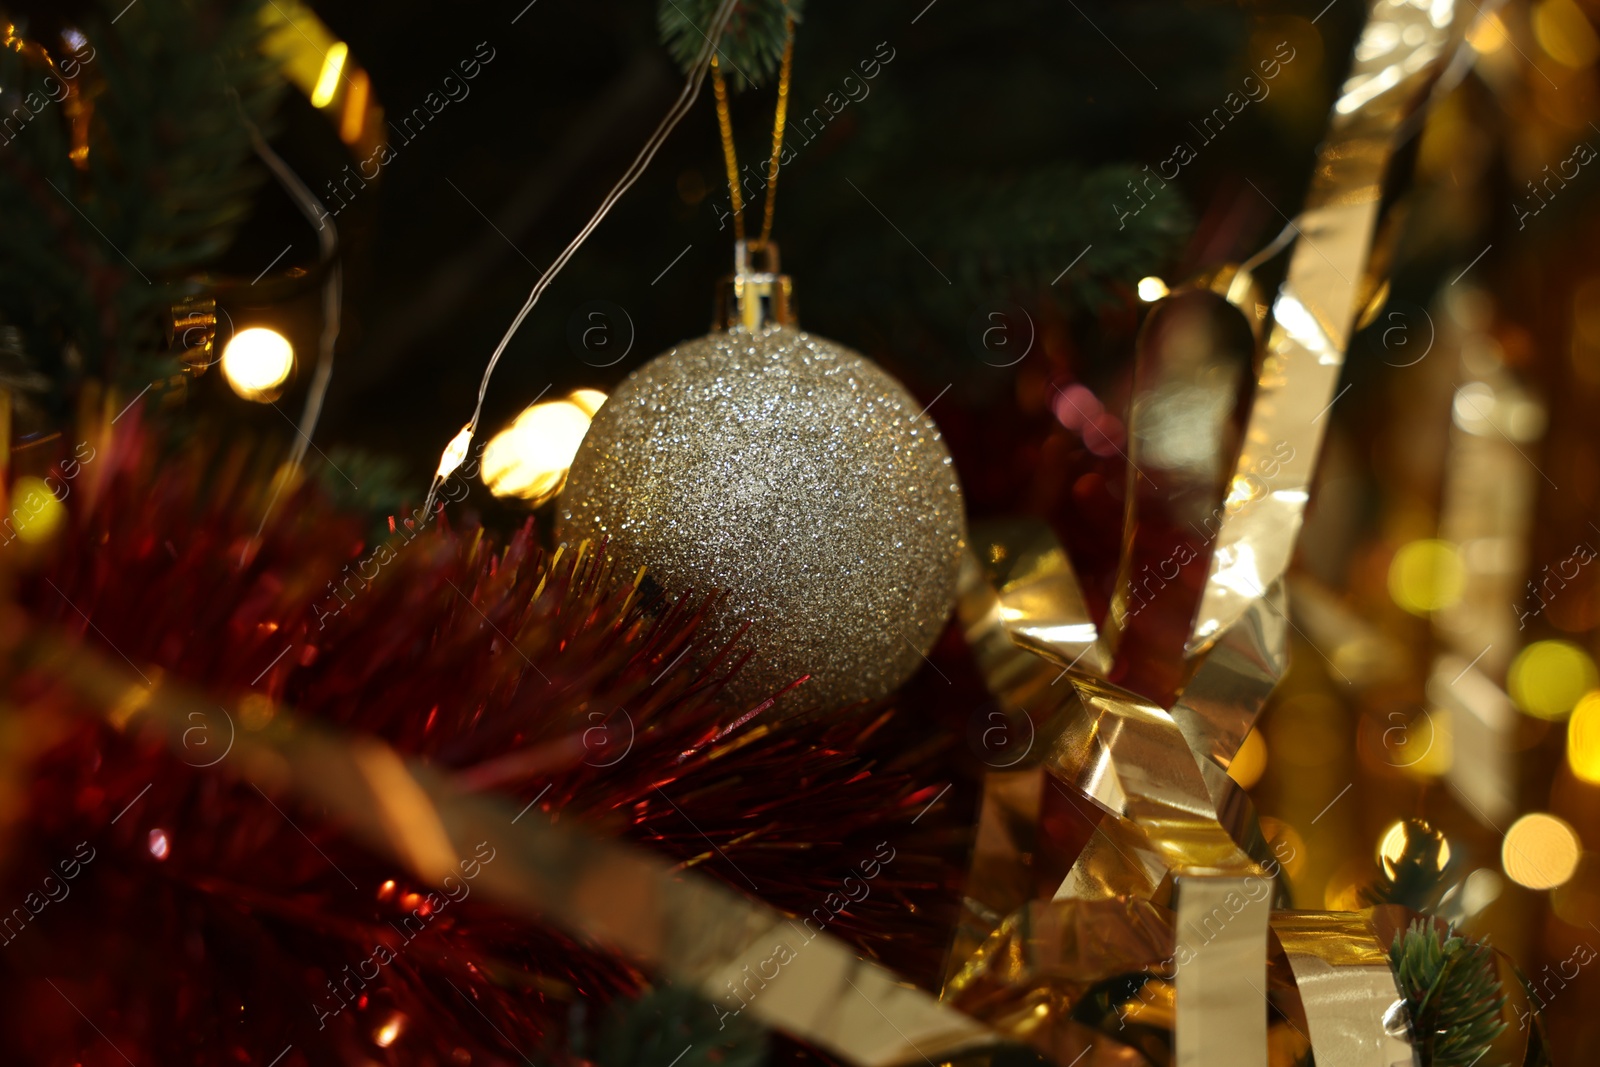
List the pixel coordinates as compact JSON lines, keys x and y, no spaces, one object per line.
{"x":1131,"y":759}
{"x":1222,"y":944}
{"x":77,"y":104}
{"x":1133,"y":953}
{"x":1027,"y":685}
{"x":1232,"y":682}
{"x":1400,"y":53}
{"x":1193,"y":358}
{"x":1159,"y":774}
{"x":1001,"y":877}
{"x":1040,"y":603}
{"x":1032,"y":976}
{"x":1347,"y":988}
{"x":1486,"y":510}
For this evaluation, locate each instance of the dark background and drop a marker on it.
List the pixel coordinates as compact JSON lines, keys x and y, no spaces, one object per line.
{"x":991,"y":139}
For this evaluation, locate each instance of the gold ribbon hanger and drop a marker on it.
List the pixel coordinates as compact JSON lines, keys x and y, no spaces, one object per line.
{"x":730,"y":156}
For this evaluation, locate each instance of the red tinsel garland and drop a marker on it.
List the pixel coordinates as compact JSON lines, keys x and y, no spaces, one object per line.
{"x":206,"y":924}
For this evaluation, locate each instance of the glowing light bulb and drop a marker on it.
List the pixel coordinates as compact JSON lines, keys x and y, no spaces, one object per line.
{"x":256,"y":362}
{"x":529,"y":459}
{"x":455,"y":452}
{"x":1540,"y":851}
{"x":1152,"y":289}
{"x":587,"y":399}
{"x":385,"y":1035}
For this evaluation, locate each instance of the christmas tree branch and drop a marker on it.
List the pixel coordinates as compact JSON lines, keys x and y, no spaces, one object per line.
{"x":118,"y":188}
{"x":751,"y":46}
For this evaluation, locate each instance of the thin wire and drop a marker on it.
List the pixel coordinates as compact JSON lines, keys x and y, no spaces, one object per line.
{"x":332,"y":302}
{"x":686,"y":99}
{"x":730,"y":157}
{"x":1278,"y":244}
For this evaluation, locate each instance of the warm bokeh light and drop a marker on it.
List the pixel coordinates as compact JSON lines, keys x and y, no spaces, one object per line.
{"x":1583,"y":738}
{"x":256,"y":362}
{"x":1152,"y":289}
{"x":1288,"y":847}
{"x":1540,"y":851}
{"x":256,"y":711}
{"x":36,"y":512}
{"x":529,"y":459}
{"x":386,"y":1035}
{"x":1480,"y":890}
{"x":1250,"y":762}
{"x":1488,"y":34}
{"x":1345,"y":887}
{"x":587,"y":399}
{"x":1424,"y":748}
{"x":1564,"y":32}
{"x":328,"y":80}
{"x":353,"y":118}
{"x":1425,"y":576}
{"x":1577,"y":900}
{"x":1548,"y":677}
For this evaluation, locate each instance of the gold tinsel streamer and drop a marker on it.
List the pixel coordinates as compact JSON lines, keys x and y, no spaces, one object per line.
{"x":1402,"y":50}
{"x":1159,"y":774}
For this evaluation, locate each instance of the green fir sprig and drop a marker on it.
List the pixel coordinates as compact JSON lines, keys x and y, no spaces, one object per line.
{"x":1452,"y":992}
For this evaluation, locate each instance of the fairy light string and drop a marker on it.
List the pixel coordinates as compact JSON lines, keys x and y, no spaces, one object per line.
{"x":455,"y":453}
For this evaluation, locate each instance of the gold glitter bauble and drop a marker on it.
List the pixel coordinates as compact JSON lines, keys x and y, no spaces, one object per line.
{"x":800,"y":479}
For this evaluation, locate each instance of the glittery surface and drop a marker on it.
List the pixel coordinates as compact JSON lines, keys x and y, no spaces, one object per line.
{"x":799,"y":478}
